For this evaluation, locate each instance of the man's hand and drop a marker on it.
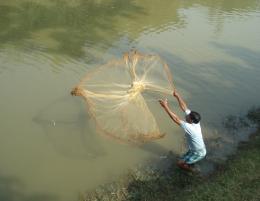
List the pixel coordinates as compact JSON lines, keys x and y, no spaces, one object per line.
{"x":173,"y":116}
{"x":164,"y":103}
{"x":181,"y":102}
{"x":175,"y":93}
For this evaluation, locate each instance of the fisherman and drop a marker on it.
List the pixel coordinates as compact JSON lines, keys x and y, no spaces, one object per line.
{"x":196,"y":147}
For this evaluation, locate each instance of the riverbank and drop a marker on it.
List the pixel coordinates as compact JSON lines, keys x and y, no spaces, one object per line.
{"x":238,"y":179}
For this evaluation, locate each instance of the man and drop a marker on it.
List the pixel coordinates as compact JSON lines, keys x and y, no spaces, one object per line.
{"x":191,"y":126}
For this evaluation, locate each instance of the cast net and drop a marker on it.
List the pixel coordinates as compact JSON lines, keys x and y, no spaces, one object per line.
{"x":116,"y":96}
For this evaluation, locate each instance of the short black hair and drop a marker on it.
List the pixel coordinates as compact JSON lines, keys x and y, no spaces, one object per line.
{"x":195,"y":117}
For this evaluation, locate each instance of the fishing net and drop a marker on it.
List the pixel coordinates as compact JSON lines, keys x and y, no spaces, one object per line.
{"x":116,"y":96}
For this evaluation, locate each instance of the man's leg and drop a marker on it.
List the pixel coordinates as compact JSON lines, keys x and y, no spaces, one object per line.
{"x":185,"y":156}
{"x":189,"y":159}
{"x":182,"y":162}
{"x":193,"y":158}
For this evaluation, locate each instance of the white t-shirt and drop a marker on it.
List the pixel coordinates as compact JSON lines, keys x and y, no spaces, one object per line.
{"x":193,"y":135}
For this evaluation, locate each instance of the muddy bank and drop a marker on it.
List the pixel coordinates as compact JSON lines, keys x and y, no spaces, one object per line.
{"x":162,"y":180}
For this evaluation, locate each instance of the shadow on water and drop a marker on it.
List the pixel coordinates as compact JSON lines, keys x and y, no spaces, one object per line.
{"x":12,"y":189}
{"x":69,"y":129}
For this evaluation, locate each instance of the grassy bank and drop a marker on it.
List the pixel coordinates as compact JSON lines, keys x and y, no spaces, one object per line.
{"x":238,"y":179}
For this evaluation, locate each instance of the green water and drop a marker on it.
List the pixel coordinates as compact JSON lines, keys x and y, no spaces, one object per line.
{"x":49,"y":148}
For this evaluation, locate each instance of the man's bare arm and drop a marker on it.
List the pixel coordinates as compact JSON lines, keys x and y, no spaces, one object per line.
{"x":173,"y":116}
{"x":181,"y":102}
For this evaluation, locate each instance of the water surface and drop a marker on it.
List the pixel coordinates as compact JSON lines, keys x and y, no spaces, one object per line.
{"x":49,"y":148}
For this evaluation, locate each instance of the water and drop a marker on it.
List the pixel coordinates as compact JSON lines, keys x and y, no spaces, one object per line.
{"x":49,"y":148}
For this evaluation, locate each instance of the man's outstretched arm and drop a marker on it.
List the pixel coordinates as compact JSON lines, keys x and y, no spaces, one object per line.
{"x":181,"y":102}
{"x":173,"y":116}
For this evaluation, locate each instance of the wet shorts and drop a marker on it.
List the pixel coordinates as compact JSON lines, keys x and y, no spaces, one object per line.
{"x":192,"y":157}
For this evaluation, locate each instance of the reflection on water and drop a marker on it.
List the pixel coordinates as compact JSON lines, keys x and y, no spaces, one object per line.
{"x":59,"y":27}
{"x":69,"y":28}
{"x":49,"y":144}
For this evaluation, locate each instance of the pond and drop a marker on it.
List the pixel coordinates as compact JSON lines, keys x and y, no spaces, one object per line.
{"x":49,"y":146}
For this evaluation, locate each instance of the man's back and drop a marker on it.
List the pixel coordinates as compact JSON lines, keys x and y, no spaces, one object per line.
{"x":194,"y":136}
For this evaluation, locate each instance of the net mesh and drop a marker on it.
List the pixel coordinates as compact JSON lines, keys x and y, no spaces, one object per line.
{"x":115,"y":94}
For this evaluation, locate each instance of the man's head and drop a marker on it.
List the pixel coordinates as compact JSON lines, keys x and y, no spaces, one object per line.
{"x":193,"y":117}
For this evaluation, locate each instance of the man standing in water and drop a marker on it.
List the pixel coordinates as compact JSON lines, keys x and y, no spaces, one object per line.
{"x":191,"y":126}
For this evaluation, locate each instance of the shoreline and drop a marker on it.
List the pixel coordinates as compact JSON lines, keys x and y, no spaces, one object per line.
{"x":155,"y":183}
